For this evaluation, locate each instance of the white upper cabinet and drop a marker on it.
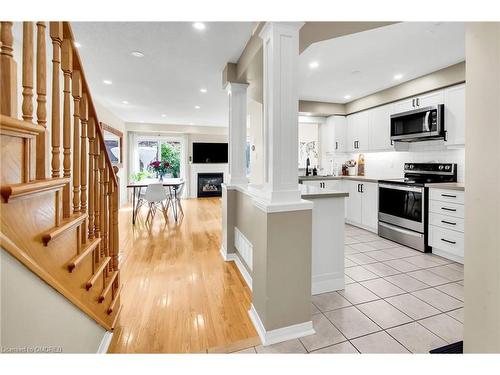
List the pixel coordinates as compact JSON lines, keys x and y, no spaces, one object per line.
{"x":421,"y":101}
{"x":340,"y":133}
{"x":454,"y":115}
{"x":380,"y":128}
{"x":357,"y":132}
{"x":333,"y":135}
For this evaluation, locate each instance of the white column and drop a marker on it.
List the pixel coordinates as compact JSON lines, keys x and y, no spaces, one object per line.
{"x":237,"y":93}
{"x":281,"y":102}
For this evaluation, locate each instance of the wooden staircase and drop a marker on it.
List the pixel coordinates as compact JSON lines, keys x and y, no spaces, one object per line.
{"x":62,"y":224}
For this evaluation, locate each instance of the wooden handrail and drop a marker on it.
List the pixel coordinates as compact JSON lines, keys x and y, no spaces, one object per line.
{"x":37,"y":186}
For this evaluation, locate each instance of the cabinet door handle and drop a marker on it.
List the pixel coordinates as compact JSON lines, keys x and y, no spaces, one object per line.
{"x":362,"y":186}
{"x":448,"y":195}
{"x":413,"y":103}
{"x":448,"y":241}
{"x":418,"y":102}
{"x":449,"y":209}
{"x":358,"y":188}
{"x":448,"y":222}
{"x":336,"y":145}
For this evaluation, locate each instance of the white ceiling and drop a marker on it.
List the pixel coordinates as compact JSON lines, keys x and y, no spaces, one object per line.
{"x":363,"y":63}
{"x":178,"y":61}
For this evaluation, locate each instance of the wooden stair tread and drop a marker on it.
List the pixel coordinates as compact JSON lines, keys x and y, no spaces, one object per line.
{"x":97,"y":273}
{"x":73,"y":263}
{"x":33,"y":187}
{"x":108,"y":287}
{"x":19,"y":128}
{"x":115,"y":299}
{"x":66,"y":224}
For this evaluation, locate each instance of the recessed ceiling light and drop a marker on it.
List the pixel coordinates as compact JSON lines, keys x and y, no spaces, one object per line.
{"x":77,"y":45}
{"x":137,"y":54}
{"x":107,"y":82}
{"x":398,"y":76}
{"x":347,"y":96}
{"x":203,"y":91}
{"x":196,"y":107}
{"x":199,"y":25}
{"x":124,"y":102}
{"x":355,"y":72}
{"x":313,"y":64}
{"x":191,"y":123}
{"x":163,"y":115}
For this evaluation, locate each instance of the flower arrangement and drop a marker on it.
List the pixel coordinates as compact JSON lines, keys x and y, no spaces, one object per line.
{"x":160,"y":167}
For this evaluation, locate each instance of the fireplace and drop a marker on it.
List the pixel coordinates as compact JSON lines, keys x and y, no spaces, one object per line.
{"x":210,"y":184}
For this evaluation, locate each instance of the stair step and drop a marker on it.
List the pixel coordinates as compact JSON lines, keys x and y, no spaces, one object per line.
{"x":34,"y":187}
{"x":73,"y":263}
{"x":19,"y":128}
{"x":97,"y":273}
{"x":66,"y":224}
{"x":106,"y":290}
{"x":113,"y":303}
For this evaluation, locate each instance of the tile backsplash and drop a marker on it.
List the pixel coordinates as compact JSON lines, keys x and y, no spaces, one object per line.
{"x":390,"y":164}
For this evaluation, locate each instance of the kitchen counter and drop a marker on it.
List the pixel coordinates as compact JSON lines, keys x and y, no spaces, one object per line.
{"x":310,"y":192}
{"x":354,"y":178}
{"x":460,"y":186}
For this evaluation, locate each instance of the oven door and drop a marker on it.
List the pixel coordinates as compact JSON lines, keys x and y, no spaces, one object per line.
{"x":419,"y":123}
{"x":402,"y":205}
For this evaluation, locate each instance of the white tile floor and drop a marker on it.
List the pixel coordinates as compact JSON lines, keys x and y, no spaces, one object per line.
{"x":396,"y":300}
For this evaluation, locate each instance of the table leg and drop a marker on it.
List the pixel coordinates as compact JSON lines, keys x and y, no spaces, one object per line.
{"x":133,"y":206}
{"x":175,"y":201}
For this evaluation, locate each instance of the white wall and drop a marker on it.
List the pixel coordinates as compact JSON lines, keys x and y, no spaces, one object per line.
{"x":35,"y":315}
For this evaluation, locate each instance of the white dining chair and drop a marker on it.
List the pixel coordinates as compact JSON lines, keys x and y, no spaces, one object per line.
{"x":178,"y":194}
{"x":156,"y":196}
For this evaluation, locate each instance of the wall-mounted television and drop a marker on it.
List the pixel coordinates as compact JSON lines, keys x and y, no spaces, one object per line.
{"x":209,"y":152}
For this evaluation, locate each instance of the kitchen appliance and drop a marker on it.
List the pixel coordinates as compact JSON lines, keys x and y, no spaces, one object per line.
{"x":403,"y":203}
{"x":419,"y":124}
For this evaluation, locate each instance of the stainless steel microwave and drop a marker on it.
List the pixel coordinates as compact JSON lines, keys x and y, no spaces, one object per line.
{"x":419,"y":124}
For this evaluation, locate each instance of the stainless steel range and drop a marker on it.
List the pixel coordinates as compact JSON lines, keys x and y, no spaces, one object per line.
{"x":403,"y":203}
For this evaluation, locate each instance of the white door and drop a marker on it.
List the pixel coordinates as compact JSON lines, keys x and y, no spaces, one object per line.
{"x":352,"y":132}
{"x":340,"y":133}
{"x":454,"y":115}
{"x":369,"y":210}
{"x":433,"y":98}
{"x":380,"y":128}
{"x":353,"y":202}
{"x":363,"y":136}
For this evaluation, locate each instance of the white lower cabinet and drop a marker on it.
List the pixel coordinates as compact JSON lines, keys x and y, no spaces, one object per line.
{"x":446,"y":223}
{"x":325,"y":184}
{"x":362,"y":204}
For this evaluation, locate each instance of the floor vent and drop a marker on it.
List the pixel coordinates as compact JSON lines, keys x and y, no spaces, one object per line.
{"x":244,"y":247}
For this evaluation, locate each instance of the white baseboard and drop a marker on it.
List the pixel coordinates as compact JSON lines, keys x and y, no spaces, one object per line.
{"x":369,"y":229}
{"x":281,"y":334}
{"x":105,"y":342}
{"x":448,"y":255}
{"x":328,"y":282}
{"x":233,"y":257}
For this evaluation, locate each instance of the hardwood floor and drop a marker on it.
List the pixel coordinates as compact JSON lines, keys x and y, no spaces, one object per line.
{"x":179,"y":295}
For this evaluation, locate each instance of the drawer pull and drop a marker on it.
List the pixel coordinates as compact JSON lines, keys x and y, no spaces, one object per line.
{"x":448,"y":209}
{"x":448,"y":195}
{"x":448,"y":222}
{"x":452,"y":242}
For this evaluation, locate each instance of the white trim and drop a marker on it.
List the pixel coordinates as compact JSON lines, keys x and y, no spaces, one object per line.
{"x":233,"y":257}
{"x":448,"y":255}
{"x":268,"y":207}
{"x":243,"y":271}
{"x":327,"y":282}
{"x":105,"y":342}
{"x":281,"y":334}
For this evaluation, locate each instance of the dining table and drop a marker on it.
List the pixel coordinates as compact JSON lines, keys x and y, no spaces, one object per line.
{"x":172,"y":185}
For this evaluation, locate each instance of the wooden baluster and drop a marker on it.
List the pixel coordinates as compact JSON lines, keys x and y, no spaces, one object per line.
{"x":77,"y":94}
{"x":41,"y":99}
{"x":105,"y":206}
{"x":111,"y":238}
{"x":116,"y":237}
{"x":97,"y":196}
{"x":8,"y":71}
{"x":102,"y":196}
{"x":56,"y":34}
{"x":27,"y":106}
{"x":84,"y":114}
{"x":67,"y":67}
{"x":91,"y":134}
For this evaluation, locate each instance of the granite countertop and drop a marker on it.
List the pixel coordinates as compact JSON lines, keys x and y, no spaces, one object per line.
{"x":355,"y":178}
{"x":311,"y":192}
{"x":460,"y":186}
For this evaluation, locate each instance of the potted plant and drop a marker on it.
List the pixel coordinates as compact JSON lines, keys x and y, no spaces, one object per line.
{"x":160,"y":168}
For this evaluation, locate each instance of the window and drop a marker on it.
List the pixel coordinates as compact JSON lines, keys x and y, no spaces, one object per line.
{"x":148,"y":150}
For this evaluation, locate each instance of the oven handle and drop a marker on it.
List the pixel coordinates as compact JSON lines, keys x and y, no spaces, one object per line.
{"x":400,"y":230}
{"x":405,"y":188}
{"x":426,"y":121}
